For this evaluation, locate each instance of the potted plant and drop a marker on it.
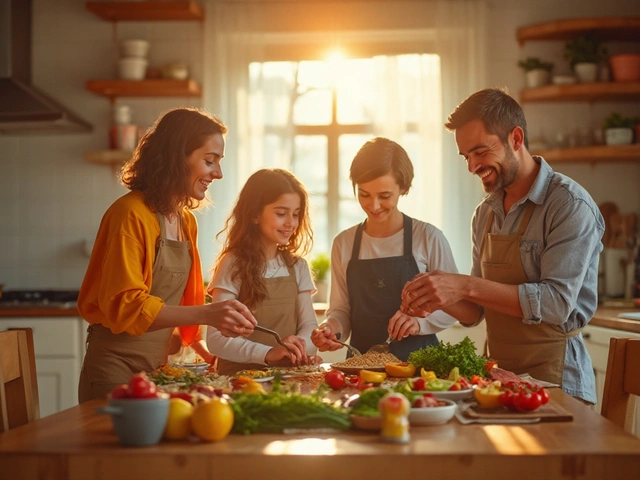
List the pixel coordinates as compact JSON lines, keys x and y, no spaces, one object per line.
{"x":584,"y":53}
{"x":618,"y":129}
{"x":536,"y":71}
{"x":320,"y":265}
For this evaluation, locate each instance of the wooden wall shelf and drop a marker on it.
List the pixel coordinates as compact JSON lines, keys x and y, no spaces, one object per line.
{"x":108,"y":157}
{"x":592,"y":154}
{"x":607,"y":28}
{"x":583,"y":92}
{"x":146,"y":11}
{"x":144,"y":88}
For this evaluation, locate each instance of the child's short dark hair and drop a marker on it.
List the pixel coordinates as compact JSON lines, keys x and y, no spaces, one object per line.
{"x":378,"y":157}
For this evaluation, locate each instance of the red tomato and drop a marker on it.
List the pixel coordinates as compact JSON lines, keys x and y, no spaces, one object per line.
{"x":544,"y":396}
{"x":527,"y":402}
{"x":419,"y":384}
{"x":506,"y":399}
{"x":363,"y":385}
{"x":141,"y":387}
{"x":121,"y":391}
{"x":475,"y":380}
{"x":455,"y":387}
{"x":335,"y":379}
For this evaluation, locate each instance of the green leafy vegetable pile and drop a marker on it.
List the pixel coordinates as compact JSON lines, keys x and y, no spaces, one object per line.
{"x":442,"y":358}
{"x":367,"y":404}
{"x":275,"y":411}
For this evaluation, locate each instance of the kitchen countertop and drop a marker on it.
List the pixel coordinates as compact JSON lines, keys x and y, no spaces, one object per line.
{"x":608,"y":317}
{"x":604,"y":317}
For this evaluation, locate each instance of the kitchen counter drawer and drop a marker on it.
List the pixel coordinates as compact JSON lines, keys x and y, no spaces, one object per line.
{"x":55,"y":337}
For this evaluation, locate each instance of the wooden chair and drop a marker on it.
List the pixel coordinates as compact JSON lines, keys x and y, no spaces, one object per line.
{"x":621,"y":381}
{"x":19,"y":402}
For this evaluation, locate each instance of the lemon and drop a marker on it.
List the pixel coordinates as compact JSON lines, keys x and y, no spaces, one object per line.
{"x":212,"y":420}
{"x":179,"y":420}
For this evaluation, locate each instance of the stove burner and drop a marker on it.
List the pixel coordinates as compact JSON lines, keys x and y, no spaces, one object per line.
{"x":49,"y":298}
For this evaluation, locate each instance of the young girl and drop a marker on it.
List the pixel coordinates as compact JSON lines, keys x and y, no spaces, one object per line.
{"x":371,"y":262}
{"x":261,"y":265}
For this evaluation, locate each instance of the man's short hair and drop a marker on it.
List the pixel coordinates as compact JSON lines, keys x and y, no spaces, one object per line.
{"x":498,"y":110}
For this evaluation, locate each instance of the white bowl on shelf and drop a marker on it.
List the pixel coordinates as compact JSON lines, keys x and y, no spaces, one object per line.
{"x":134,"y":48}
{"x":132,"y":68}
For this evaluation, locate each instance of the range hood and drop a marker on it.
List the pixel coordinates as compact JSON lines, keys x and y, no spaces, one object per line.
{"x":23,"y":108}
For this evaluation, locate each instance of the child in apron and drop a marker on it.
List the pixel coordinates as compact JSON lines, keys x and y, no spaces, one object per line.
{"x":144,"y":277}
{"x":261,"y":264}
{"x":371,"y":262}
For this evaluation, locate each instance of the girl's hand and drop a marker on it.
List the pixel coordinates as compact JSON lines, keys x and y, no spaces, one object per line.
{"x":324,"y":338}
{"x":402,"y":325}
{"x":230,"y":317}
{"x":276,"y":355}
{"x":299,"y":347}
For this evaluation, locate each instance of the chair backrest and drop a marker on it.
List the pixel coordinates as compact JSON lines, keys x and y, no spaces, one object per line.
{"x":19,"y":402}
{"x":621,"y":381}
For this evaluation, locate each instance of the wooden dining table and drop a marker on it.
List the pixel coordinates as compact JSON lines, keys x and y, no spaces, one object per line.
{"x":80,"y":444}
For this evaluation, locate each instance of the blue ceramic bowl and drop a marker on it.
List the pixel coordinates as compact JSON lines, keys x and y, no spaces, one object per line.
{"x":137,"y":421}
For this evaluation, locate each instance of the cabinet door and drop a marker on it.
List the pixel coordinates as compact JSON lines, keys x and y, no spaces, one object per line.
{"x":57,"y":384}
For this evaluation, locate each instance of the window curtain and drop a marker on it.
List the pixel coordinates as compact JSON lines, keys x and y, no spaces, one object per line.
{"x":238,"y":33}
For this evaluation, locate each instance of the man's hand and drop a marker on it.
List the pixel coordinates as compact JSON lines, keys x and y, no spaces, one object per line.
{"x":230,"y":317}
{"x":324,"y":338}
{"x":431,"y":291}
{"x":402,"y":325}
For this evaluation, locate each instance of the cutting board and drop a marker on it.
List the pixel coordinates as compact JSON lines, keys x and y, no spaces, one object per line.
{"x":551,"y":412}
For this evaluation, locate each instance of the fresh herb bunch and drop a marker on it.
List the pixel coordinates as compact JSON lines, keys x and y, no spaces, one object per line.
{"x":275,"y":411}
{"x":442,"y":358}
{"x":534,"y":63}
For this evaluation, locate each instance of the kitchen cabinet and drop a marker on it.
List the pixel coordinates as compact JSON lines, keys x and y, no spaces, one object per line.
{"x":596,"y":339}
{"x":607,"y":29}
{"x":59,"y":351}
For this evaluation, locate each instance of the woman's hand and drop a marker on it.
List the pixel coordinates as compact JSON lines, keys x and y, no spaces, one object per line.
{"x":230,"y":317}
{"x":402,"y":325}
{"x":324,"y":338}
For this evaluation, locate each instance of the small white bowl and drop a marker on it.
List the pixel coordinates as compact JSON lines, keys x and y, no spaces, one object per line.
{"x":132,"y":68}
{"x":433,"y":415}
{"x":134,"y":48}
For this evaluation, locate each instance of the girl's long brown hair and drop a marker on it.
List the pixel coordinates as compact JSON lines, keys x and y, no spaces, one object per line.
{"x":159,"y":167}
{"x":243,"y":233}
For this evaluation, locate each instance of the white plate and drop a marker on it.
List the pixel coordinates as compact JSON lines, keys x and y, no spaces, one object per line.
{"x":263,"y":379}
{"x":455,"y":395}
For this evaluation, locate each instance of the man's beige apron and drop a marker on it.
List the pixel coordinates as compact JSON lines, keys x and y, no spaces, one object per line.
{"x":278,"y":311}
{"x":535,"y":349}
{"x":111,"y":358}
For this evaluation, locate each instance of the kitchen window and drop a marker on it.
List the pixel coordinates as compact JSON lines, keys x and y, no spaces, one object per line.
{"x":311,"y":117}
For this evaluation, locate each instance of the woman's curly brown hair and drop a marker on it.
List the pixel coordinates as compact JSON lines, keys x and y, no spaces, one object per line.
{"x":243,"y":238}
{"x":159,"y":167}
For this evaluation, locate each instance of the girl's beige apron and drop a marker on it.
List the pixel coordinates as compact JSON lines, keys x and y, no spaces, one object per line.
{"x":278,"y":311}
{"x":535,"y":349}
{"x":111,"y":358}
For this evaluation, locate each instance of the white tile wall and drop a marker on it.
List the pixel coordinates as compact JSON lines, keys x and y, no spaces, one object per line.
{"x":51,"y":200}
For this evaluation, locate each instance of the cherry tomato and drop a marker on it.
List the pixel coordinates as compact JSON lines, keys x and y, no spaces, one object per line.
{"x":335,"y":379}
{"x":526,"y":401}
{"x":362,"y":385}
{"x":121,"y":391}
{"x":506,"y":399}
{"x":544,"y":396}
{"x":455,"y":387}
{"x":141,"y":387}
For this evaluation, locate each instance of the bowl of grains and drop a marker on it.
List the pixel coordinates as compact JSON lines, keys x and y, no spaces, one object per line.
{"x":373,"y":361}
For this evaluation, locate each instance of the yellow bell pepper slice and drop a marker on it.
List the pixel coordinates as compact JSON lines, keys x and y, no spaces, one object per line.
{"x":402,"y":369}
{"x":427,"y":375}
{"x":487,"y":397}
{"x":368,"y":376}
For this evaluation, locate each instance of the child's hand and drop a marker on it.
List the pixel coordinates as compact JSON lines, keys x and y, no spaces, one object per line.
{"x":402,"y":325}
{"x":324,"y":338}
{"x":299,"y":348}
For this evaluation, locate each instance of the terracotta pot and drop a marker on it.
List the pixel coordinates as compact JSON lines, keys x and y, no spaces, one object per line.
{"x":625,"y":67}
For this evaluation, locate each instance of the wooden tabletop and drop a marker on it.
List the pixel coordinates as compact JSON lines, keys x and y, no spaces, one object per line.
{"x":78,"y":444}
{"x":608,"y":317}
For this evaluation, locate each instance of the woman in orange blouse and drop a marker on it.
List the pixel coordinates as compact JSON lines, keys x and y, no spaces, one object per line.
{"x":144,"y":277}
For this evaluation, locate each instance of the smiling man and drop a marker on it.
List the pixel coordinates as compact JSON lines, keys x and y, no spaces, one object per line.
{"x":536,"y":243}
